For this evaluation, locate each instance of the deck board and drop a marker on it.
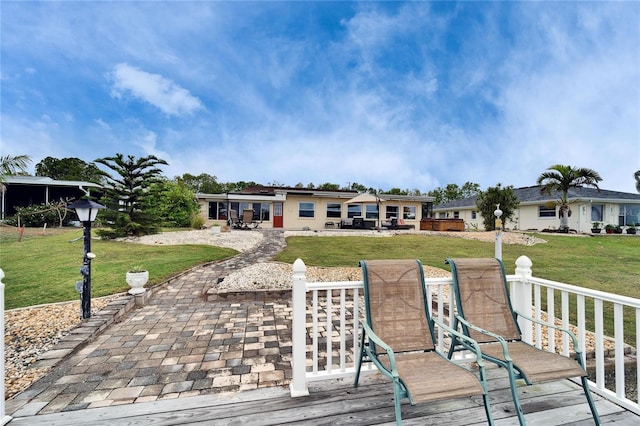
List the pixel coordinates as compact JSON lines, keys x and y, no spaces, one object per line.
{"x":338,"y":403}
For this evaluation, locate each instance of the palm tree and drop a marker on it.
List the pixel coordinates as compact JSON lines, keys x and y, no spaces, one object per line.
{"x":561,"y":178}
{"x":637,"y":176}
{"x":13,"y":164}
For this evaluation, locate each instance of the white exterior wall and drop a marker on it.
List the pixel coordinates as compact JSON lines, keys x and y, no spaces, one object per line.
{"x":293,"y":221}
{"x":291,"y":208}
{"x":526,"y":218}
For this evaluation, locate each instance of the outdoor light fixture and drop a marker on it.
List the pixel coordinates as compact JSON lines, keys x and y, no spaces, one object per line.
{"x":498,"y":249}
{"x":87,"y":211}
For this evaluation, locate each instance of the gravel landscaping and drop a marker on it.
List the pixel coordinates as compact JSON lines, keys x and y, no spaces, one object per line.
{"x":30,"y":332}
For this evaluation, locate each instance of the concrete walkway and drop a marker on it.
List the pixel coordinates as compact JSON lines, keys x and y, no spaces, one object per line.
{"x":177,"y":345}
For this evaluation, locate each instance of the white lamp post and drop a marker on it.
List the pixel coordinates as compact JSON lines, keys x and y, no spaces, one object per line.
{"x":498,"y":249}
{"x":87,"y":211}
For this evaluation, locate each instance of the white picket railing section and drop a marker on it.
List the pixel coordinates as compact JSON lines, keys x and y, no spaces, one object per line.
{"x":326,"y":326}
{"x":4,"y":419}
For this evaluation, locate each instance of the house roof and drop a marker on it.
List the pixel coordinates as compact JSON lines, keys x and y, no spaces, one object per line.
{"x":267,"y":191}
{"x":533,"y":195}
{"x":46,"y":181}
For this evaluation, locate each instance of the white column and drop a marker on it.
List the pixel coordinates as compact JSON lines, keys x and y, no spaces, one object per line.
{"x":4,"y":418}
{"x":498,"y":247}
{"x":298,"y":386}
{"x":521,"y":300}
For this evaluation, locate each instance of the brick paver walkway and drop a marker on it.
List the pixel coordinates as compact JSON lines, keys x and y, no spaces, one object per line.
{"x":177,"y":345}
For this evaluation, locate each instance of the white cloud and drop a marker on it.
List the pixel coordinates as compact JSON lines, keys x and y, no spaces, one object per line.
{"x":405,"y":95}
{"x":154,"y":89}
{"x":102,"y":124}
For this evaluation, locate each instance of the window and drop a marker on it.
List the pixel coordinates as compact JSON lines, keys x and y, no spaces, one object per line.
{"x":392,"y":211}
{"x":596,"y":212}
{"x":544,"y":211}
{"x":427,"y":210}
{"x":354,"y":210}
{"x":261,"y":211}
{"x":456,"y":215}
{"x":307,"y":210}
{"x":240,"y":207}
{"x":629,"y":214}
{"x":334,"y":210}
{"x":409,"y":212}
{"x":371,"y":211}
{"x":218,"y":210}
{"x":474,"y":215}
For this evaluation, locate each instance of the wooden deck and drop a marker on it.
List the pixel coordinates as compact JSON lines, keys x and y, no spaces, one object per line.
{"x":556,"y":403}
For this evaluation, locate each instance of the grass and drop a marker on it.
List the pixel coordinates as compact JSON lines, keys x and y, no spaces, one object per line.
{"x":606,"y":263}
{"x":44,"y":268}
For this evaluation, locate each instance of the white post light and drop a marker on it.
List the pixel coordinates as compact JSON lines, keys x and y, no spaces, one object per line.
{"x":498,"y":248}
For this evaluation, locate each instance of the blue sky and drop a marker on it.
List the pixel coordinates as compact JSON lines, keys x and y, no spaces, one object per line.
{"x":410,"y":95}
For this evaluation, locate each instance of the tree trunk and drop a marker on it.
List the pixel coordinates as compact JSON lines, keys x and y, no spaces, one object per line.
{"x":564,"y":217}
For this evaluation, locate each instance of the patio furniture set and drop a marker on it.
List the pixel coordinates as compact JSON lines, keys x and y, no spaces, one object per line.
{"x":400,"y":334}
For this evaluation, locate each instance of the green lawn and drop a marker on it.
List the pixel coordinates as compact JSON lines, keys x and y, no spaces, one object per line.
{"x":44,"y":268}
{"x":606,"y":263}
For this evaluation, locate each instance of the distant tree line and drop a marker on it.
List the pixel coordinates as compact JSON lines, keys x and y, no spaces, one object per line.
{"x":141,"y":199}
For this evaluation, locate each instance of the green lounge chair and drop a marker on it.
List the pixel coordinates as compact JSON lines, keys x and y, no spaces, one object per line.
{"x":399,"y":334}
{"x":485,"y":314}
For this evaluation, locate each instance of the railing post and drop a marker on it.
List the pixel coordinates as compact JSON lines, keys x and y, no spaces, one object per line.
{"x":4,"y":419}
{"x":521,"y":296}
{"x":298,"y":386}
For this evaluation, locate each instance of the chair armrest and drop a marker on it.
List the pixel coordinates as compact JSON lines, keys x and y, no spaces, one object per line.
{"x":452,"y":332}
{"x":574,"y":339}
{"x":499,"y":339}
{"x":393,"y":372}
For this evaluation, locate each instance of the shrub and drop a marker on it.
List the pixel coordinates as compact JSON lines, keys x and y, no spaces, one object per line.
{"x":37,"y":215}
{"x":197,"y":221}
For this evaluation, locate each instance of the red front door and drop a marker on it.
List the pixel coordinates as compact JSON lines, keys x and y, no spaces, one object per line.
{"x":277,"y":215}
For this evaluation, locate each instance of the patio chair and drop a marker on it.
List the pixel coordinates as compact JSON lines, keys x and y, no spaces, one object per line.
{"x":234,"y":221}
{"x":247,"y":219}
{"x":485,"y":314}
{"x":400,"y":339}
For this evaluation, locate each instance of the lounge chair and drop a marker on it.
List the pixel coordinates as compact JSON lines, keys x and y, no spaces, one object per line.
{"x":485,"y":314}
{"x":400,"y":338}
{"x":400,"y":224}
{"x":234,"y":221}
{"x":247,"y":219}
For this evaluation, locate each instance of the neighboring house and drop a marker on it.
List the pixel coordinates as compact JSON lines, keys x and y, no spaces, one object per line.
{"x":535,"y":212}
{"x":299,"y":208}
{"x":23,"y":191}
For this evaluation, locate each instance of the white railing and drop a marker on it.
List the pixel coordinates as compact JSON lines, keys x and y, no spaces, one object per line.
{"x":588,"y":307}
{"x":4,"y":419}
{"x":326,"y":326}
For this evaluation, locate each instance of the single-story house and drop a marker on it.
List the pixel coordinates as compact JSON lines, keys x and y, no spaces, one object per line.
{"x":300,"y":208}
{"x":535,"y":212}
{"x":23,"y":191}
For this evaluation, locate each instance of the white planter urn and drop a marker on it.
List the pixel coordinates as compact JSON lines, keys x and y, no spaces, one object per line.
{"x":136,"y":281}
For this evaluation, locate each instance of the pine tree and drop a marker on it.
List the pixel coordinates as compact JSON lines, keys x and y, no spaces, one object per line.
{"x":126,"y":194}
